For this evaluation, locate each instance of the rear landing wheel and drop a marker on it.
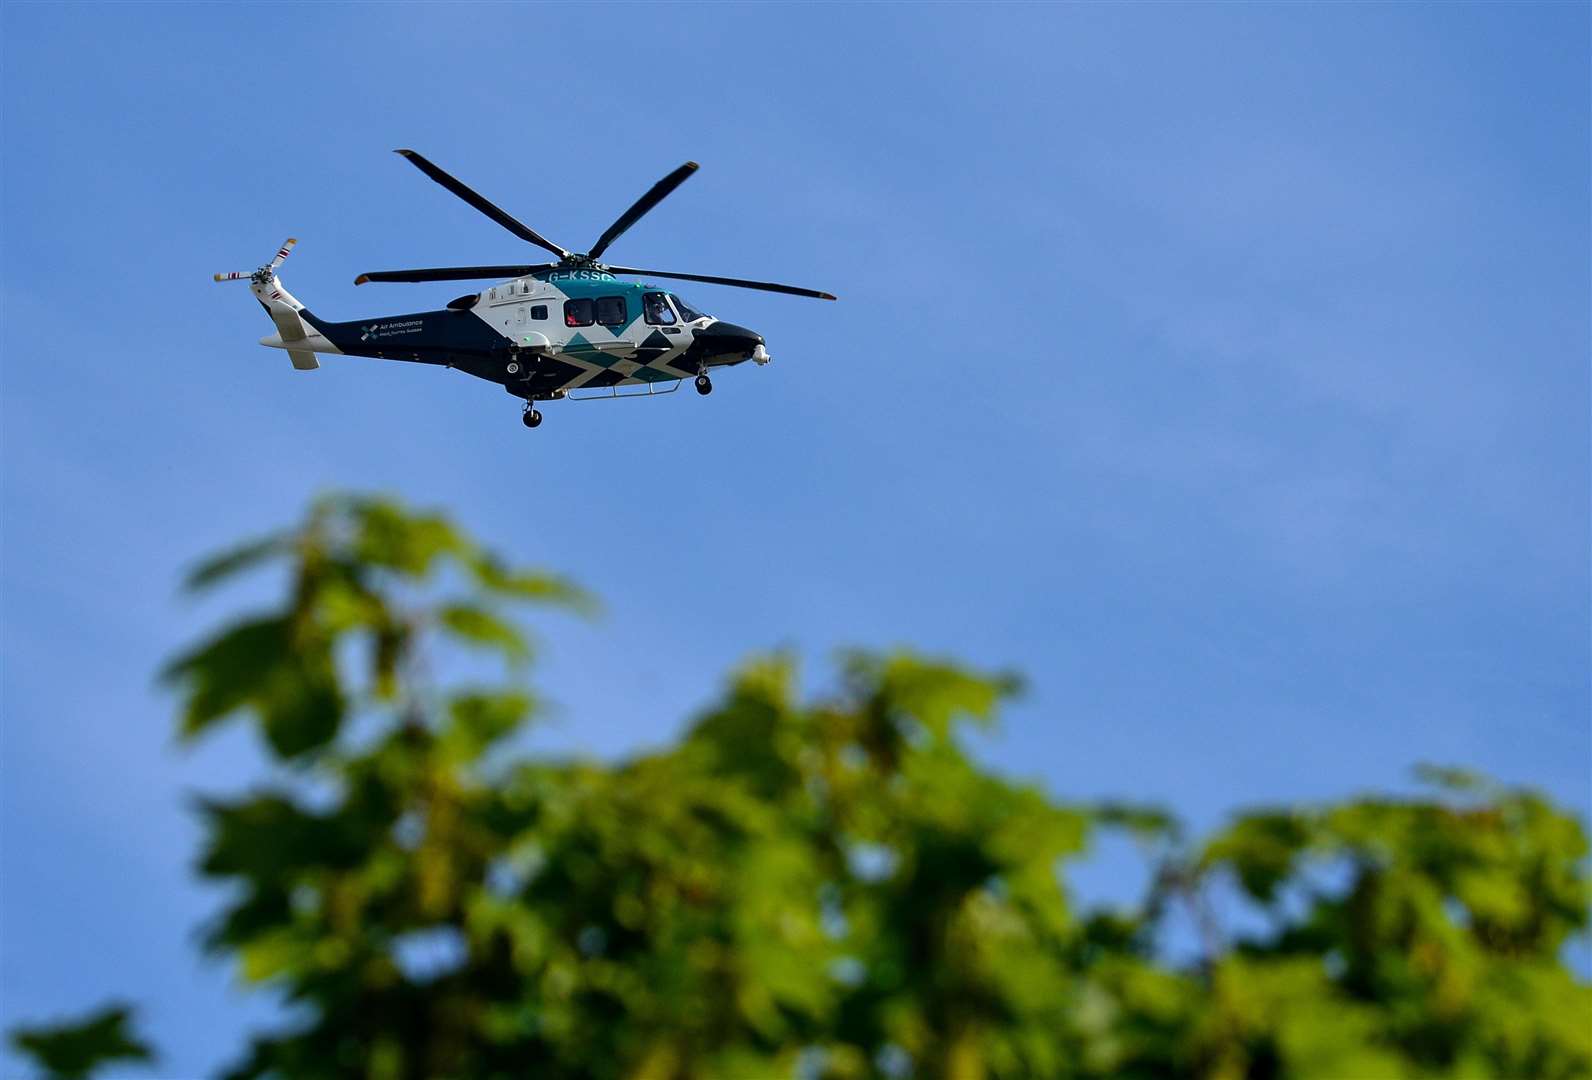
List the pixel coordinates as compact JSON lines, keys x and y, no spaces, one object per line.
{"x":532,"y":418}
{"x":704,"y":385}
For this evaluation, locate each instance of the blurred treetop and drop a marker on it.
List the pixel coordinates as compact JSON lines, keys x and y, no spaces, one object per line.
{"x":796,"y":888}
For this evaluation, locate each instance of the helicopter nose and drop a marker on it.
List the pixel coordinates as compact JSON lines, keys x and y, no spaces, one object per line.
{"x":725,"y":339}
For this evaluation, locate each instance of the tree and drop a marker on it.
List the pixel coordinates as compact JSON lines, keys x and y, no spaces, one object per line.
{"x":818,"y":888}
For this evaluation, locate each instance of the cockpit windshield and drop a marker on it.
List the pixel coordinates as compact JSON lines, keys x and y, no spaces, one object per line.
{"x":687,"y":312}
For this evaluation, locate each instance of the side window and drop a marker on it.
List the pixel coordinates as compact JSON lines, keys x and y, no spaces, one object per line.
{"x":578,"y":313}
{"x":539,"y":312}
{"x":657,"y":309}
{"x":611,"y":310}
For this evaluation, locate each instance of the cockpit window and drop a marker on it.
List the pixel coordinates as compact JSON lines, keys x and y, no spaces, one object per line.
{"x":687,"y":312}
{"x":657,"y":309}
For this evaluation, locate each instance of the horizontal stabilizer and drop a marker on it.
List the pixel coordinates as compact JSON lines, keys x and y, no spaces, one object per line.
{"x":303,"y":359}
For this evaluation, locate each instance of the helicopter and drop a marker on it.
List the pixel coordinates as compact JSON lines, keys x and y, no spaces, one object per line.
{"x":569,"y":329}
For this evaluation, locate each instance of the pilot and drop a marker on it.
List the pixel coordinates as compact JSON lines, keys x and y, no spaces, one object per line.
{"x":658,"y":310}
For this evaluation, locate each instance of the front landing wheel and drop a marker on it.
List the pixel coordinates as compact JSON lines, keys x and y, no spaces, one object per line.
{"x":704,"y":385}
{"x":532,"y":418}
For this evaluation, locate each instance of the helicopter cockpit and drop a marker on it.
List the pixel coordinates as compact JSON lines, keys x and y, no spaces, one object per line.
{"x":656,"y":308}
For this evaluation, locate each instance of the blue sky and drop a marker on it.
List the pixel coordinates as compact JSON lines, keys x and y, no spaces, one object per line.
{"x":1224,"y":368}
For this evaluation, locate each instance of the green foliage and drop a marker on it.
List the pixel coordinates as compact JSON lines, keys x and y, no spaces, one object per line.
{"x":77,"y":1049}
{"x":355,"y":563}
{"x":825,"y":887}
{"x":1443,"y":924}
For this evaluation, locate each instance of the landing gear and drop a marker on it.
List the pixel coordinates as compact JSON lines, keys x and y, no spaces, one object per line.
{"x":704,"y":385}
{"x":532,"y":418}
{"x":514,"y":367}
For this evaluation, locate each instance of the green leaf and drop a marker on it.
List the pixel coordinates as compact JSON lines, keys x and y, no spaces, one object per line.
{"x":227,"y":672}
{"x":477,"y":720}
{"x":475,"y":625}
{"x":1262,"y":849}
{"x":244,"y":557}
{"x":390,"y":536}
{"x":264,"y":666}
{"x":1452,"y":779}
{"x":269,"y":839}
{"x":1147,"y":823}
{"x":78,"y":1049}
{"x":493,"y":576}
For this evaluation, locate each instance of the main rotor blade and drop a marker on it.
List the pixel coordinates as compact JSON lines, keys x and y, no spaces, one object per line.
{"x":519,"y":229}
{"x":655,"y":195}
{"x":452,"y":273}
{"x":740,"y":283}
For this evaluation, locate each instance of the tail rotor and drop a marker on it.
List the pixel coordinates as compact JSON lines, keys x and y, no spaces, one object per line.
{"x":265,"y":274}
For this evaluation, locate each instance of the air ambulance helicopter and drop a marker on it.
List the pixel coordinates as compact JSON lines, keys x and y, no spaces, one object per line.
{"x":553,"y":330}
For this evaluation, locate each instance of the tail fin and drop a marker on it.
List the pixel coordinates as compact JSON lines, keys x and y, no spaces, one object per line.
{"x":290,"y":331}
